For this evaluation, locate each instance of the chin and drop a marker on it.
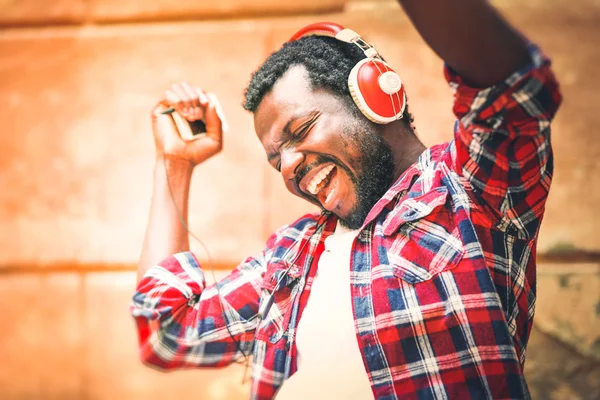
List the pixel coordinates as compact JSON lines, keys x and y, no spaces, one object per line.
{"x":352,"y":221}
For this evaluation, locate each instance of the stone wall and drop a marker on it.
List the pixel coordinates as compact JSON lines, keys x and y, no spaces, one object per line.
{"x":77,"y":80}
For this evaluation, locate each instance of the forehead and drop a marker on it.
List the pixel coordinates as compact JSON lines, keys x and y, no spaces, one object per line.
{"x":290,"y":95}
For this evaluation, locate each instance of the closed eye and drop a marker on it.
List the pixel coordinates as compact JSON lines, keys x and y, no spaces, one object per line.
{"x":295,"y":136}
{"x":300,"y":132}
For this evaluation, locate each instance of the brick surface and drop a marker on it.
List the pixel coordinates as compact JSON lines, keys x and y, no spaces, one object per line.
{"x":111,"y":10}
{"x":78,"y":152}
{"x":112,"y":368}
{"x":533,"y":9}
{"x":41,"y":12}
{"x":76,"y":160}
{"x":539,"y":10}
{"x":571,"y":214}
{"x":67,"y":336}
{"x":554,"y":371}
{"x":78,"y":157}
{"x":41,"y":337}
{"x":568,"y":305}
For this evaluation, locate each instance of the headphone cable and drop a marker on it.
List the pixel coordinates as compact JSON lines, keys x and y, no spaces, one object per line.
{"x":268,"y":303}
{"x":210,"y":261}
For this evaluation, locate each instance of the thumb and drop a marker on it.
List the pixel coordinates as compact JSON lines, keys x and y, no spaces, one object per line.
{"x":163,"y":124}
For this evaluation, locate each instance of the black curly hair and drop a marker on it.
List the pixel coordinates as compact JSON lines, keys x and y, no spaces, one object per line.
{"x":328,"y":62}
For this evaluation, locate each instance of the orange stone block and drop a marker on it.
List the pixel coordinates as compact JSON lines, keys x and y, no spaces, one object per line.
{"x":26,"y":12}
{"x":135,"y":10}
{"x":41,"y":338}
{"x":112,"y":367}
{"x":567,"y":305}
{"x":77,"y":150}
{"x":77,"y":153}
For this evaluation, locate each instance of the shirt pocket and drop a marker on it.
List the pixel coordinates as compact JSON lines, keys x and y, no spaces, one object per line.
{"x":278,"y":289}
{"x":422,"y":237}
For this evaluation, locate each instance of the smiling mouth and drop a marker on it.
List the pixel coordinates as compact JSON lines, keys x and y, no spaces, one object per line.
{"x":319,"y":181}
{"x":319,"y":184}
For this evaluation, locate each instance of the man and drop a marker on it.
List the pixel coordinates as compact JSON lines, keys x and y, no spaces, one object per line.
{"x":418,"y":278}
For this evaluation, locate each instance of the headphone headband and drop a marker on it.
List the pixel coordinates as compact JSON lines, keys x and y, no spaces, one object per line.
{"x":330,"y":29}
{"x":319,"y":29}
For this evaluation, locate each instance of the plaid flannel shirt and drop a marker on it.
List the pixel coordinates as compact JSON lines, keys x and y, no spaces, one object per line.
{"x":442,"y":271}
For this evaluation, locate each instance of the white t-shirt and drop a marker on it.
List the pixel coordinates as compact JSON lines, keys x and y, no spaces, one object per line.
{"x":330,"y":364}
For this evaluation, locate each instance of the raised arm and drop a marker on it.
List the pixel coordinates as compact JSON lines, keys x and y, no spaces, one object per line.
{"x":181,"y":322}
{"x":505,"y":96}
{"x":471,"y":37}
{"x":176,"y":158}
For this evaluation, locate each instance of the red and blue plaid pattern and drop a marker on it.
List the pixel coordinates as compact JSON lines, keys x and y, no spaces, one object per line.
{"x":442,"y":271}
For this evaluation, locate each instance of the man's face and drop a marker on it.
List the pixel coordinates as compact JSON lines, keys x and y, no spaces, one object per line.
{"x":326,"y":154}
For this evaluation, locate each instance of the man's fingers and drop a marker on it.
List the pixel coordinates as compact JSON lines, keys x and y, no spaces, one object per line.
{"x":184,"y":103}
{"x":192,"y":94}
{"x":193,"y":104}
{"x":171,"y":99}
{"x":202,"y":100}
{"x":190,"y":102}
{"x":202,"y":96}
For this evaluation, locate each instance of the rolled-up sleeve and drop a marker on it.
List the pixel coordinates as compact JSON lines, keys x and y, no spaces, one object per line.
{"x":502,"y":136}
{"x":182,"y":323}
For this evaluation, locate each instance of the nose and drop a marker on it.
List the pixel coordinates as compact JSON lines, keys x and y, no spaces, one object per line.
{"x":290,"y":160}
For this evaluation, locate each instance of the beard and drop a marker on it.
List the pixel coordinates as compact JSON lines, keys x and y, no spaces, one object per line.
{"x":375,"y":175}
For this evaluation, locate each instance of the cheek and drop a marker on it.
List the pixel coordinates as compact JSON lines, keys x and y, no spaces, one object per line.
{"x":289,"y":186}
{"x":344,"y":144}
{"x":341,"y":148}
{"x":352,"y":149}
{"x":292,"y":188}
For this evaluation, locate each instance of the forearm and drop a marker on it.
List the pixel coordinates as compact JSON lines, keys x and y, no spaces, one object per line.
{"x":165,"y":233}
{"x":470,"y":36}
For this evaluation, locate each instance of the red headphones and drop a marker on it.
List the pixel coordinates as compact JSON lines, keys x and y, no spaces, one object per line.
{"x":376,"y":89}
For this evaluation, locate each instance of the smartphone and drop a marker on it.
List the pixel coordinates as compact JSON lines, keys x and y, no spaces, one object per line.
{"x":189,"y":130}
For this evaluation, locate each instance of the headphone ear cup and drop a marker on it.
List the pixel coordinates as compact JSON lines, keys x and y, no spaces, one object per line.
{"x":379,"y":106}
{"x":357,"y":97}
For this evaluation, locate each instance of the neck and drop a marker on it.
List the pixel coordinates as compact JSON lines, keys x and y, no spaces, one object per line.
{"x":409,"y":158}
{"x":406,"y":146}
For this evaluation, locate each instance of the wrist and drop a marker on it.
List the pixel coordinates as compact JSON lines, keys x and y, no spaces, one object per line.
{"x":174,"y":172}
{"x":174,"y":164}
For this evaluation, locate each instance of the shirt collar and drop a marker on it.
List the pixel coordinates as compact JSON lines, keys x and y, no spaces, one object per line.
{"x":405,"y":182}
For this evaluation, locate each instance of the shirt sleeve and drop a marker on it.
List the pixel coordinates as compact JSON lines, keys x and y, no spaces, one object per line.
{"x":182,"y":323}
{"x":502,"y":136}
